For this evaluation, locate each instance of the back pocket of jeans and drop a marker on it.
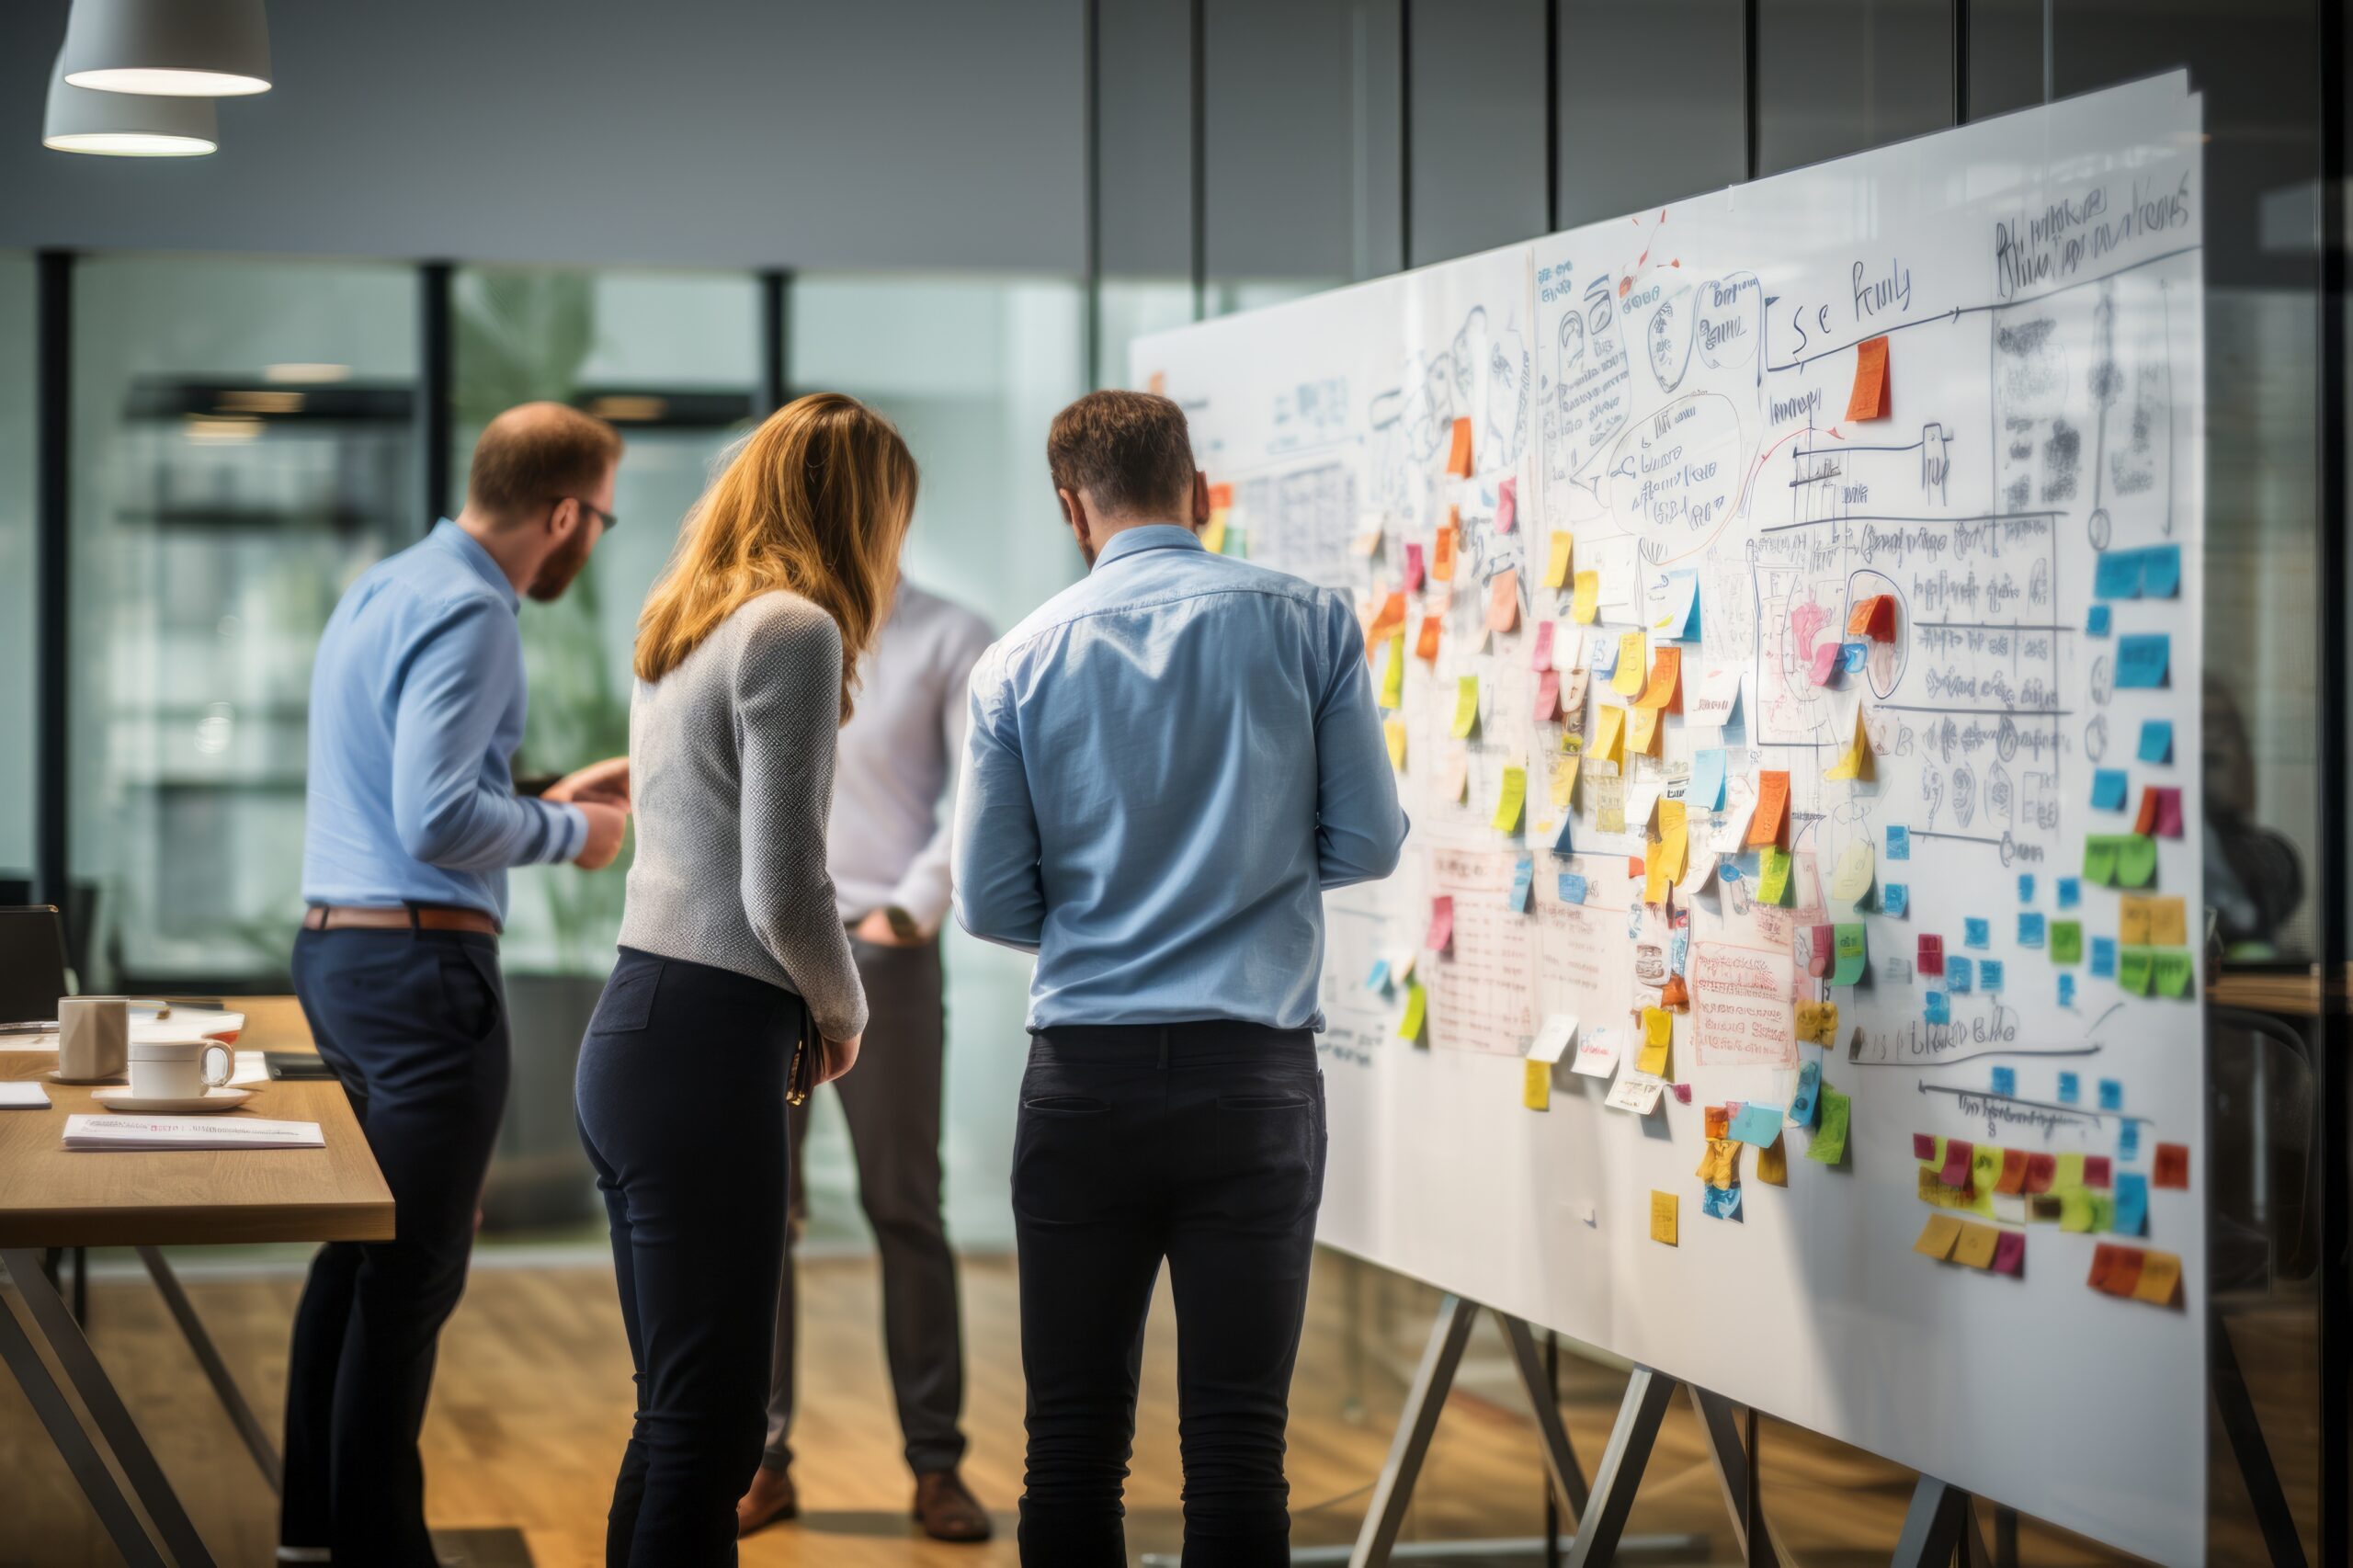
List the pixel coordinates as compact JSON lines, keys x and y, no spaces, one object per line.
{"x":1269,"y":1143}
{"x":627,"y":1004}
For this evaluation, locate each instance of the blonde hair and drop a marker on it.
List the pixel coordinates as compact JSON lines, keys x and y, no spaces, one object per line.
{"x":815,"y":501}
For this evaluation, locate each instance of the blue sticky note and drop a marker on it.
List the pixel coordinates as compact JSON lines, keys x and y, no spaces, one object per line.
{"x":2071,"y":892}
{"x":2095,"y":623}
{"x":1757,"y":1123}
{"x":1935,"y":1008}
{"x":1977,"y":932}
{"x":2066,"y":990}
{"x":1989,"y":974}
{"x":1899,"y":842}
{"x":2142,"y":660}
{"x":2118,"y":576}
{"x":2111,"y":1095}
{"x":1560,"y":839}
{"x":1851,"y":656}
{"x":2110,"y":785}
{"x":2005,"y":1080}
{"x":1571,"y":887}
{"x":2131,"y":1203}
{"x":1523,"y":876}
{"x":2070,"y":1088}
{"x":2161,"y":570}
{"x":1895,"y":899}
{"x":2128,"y":1140}
{"x":2104,"y":957}
{"x":1720,"y":1202}
{"x":2026,"y":887}
{"x":2029,"y":928}
{"x":2156,"y":739}
{"x":1379,"y":978}
{"x":1683,"y":590}
{"x":1959,"y":973}
{"x":1678,"y":952}
{"x":1605,"y":655}
{"x":1708,"y":779}
{"x":1808,"y":1099}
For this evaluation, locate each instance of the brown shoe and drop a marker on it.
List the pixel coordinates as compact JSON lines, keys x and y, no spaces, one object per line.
{"x":771,"y":1498}
{"x":947,"y":1509}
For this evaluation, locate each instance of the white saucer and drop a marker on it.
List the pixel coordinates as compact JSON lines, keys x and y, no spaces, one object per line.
{"x":206,"y":1104}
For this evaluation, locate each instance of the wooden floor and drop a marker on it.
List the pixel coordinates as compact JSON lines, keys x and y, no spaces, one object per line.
{"x":532,"y":1403}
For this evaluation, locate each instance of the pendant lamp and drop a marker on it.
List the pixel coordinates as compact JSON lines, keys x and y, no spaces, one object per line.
{"x":207,"y":48}
{"x":125,"y":125}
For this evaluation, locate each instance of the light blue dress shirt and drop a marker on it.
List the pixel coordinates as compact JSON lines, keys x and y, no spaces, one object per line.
{"x":1164,"y":767}
{"x":416,"y":707}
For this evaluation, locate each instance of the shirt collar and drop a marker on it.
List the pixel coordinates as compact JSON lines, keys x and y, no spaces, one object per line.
{"x":1149,"y":536}
{"x":467,"y":548}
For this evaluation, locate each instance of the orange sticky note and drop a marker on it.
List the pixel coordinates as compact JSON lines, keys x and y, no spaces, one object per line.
{"x":1973,"y":1249}
{"x":1870,"y":397}
{"x":2115,"y":1269}
{"x":2172,"y":1166}
{"x":1938,"y":1236}
{"x":1458,"y":459}
{"x":2012,"y":1177}
{"x":1426,"y":646}
{"x":1221,"y":497}
{"x":1503,"y":603}
{"x":1666,"y":666}
{"x":1442,"y":558}
{"x":1874,"y":617}
{"x":2160,"y":1278}
{"x":1772,"y":805}
{"x":1390,"y":621}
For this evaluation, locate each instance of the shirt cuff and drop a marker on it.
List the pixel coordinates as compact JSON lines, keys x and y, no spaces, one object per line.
{"x":567,"y":831}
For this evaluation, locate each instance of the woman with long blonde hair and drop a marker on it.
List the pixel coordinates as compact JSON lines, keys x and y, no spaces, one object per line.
{"x":732,"y":953}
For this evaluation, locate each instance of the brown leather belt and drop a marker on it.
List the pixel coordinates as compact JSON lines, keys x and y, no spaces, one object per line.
{"x":410,"y":918}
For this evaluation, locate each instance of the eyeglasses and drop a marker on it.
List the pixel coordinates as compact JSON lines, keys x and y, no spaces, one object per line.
{"x":610,"y":521}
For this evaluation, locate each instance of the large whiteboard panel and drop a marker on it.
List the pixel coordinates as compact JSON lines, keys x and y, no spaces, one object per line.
{"x":1672,"y":389}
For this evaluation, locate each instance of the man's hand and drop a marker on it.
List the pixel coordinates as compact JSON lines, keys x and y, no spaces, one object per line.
{"x":841,"y":1055}
{"x":879,"y":929}
{"x":605,"y":825}
{"x":606,"y":782}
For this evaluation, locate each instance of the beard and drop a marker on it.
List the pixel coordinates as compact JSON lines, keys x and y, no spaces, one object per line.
{"x":558,"y":570}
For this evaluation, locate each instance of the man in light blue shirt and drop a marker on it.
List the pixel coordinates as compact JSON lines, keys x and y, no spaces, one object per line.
{"x":1164,"y":767}
{"x":417,"y":708}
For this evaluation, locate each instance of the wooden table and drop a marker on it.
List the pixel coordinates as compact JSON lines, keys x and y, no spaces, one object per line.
{"x":148,"y":1200}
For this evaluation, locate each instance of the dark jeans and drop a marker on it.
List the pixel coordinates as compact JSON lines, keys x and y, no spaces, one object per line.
{"x":1201,"y":1143}
{"x":892,"y":1104}
{"x":415,"y":1024}
{"x":681,"y":1098}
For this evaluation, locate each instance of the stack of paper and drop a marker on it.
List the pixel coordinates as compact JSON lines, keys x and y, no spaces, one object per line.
{"x":23,"y":1096}
{"x":189,"y":1133}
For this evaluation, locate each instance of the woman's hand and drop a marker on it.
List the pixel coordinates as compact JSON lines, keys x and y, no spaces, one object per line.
{"x":605,"y":782}
{"x":841,"y":1055}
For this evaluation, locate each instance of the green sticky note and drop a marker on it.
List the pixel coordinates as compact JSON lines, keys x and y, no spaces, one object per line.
{"x":1828,"y":1145}
{"x":2136,"y":859}
{"x":2099,"y":853}
{"x":1466,"y":707}
{"x":2103,"y":1210}
{"x":2066,"y":941}
{"x":2134,"y":968}
{"x":2075,"y":1208}
{"x":1510,"y":798}
{"x":1773,"y":876}
{"x":1417,"y":1002}
{"x":2174,"y":972}
{"x":2069,"y":1172}
{"x":1848,"y":944}
{"x":1393,"y":675}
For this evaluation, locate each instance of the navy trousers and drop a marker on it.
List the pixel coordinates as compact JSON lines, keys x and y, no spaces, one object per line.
{"x":681,"y":1100}
{"x":415,"y":1024}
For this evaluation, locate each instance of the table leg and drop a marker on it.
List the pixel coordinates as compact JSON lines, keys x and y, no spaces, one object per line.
{"x":216,"y":1370}
{"x":55,"y":1327}
{"x":81,"y":1455}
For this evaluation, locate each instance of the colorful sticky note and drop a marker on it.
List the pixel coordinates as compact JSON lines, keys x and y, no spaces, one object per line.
{"x":1643,"y":731}
{"x":1772,"y":805}
{"x":1935,"y":1008}
{"x":1627,"y":678}
{"x":1973,"y":1249}
{"x":1393,"y":673}
{"x":1503,"y":601}
{"x":1807,"y":1101}
{"x":2172,"y":1166}
{"x":1548,"y":695}
{"x":1977,"y":932}
{"x":2118,"y":575}
{"x":1536,"y":1085}
{"x":2099,"y":858}
{"x":1849,"y":946}
{"x":1828,"y":1145}
{"x":1587,"y":603}
{"x":2132,"y":1213}
{"x":2095,"y":621}
{"x":1507,"y":503}
{"x":1662,"y":1208}
{"x":1854,"y":762}
{"x":1564,"y":787}
{"x":2175,"y":970}
{"x":2030,"y":927}
{"x":1426,"y":645}
{"x":1773,"y":876}
{"x":1960,"y":1154}
{"x":1931,"y":959}
{"x":1608,"y":726}
{"x":1899,"y":841}
{"x":1895,"y":899}
{"x":1658,"y":1034}
{"x":1409,"y":1023}
{"x":2005,"y":1080}
{"x":1872,"y":397}
{"x":2071,"y":892}
{"x":1874,"y":617}
{"x":2159,"y":1279}
{"x":2070,"y":1087}
{"x":1523,"y":877}
{"x":2136,"y":859}
{"x":1938,"y":1236}
{"x":2142,"y":661}
{"x":2066,"y":941}
{"x":1466,"y":707}
{"x":2010,"y":1252}
{"x":1707,"y":789}
{"x":1989,"y":974}
{"x":2161,"y":570}
{"x":1660,"y":691}
{"x":1817,"y":1024}
{"x":1457,"y":456}
{"x":1758,"y":1124}
{"x":1720,"y":1202}
{"x":2156,"y":740}
{"x":1681,"y":622}
{"x":1393,"y":732}
{"x":2111,"y":1094}
{"x":1960,"y":974}
{"x":1556,"y":564}
{"x":1413,"y":566}
{"x":2166,"y":814}
{"x":1449,"y":540}
{"x":1572,"y":888}
{"x":2110,"y":785}
{"x":1511,"y":795}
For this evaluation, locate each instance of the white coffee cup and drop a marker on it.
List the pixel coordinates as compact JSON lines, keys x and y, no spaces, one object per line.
{"x":91,"y":1032}
{"x":179,"y":1068}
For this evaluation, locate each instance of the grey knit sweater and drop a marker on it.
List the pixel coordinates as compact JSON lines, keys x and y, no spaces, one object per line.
{"x":732,"y":773}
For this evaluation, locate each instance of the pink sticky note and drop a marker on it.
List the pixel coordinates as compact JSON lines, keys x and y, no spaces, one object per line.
{"x":1441,"y":932}
{"x":1818,"y":955}
{"x":2010,"y":1252}
{"x":1957,"y":1154}
{"x":1825,"y":660}
{"x":1805,"y":620}
{"x":1923,"y":1146}
{"x":1413,"y":567}
{"x":2096,"y":1171}
{"x":2168,"y":812}
{"x":1540,"y":656}
{"x":1682,"y":1093}
{"x":1506,"y":505}
{"x":1548,"y":694}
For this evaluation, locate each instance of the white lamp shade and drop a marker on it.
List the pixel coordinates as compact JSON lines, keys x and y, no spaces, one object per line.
{"x":125,"y":125}
{"x":208,"y":48}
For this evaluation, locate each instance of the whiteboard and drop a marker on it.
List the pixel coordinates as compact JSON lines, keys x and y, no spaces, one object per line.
{"x":1672,"y":390}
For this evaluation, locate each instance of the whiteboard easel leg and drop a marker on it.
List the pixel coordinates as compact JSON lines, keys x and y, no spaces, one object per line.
{"x":1736,"y":1462}
{"x":1604,"y":1520}
{"x":1933,"y":1526}
{"x":1559,"y":1453}
{"x":1415,"y":1421}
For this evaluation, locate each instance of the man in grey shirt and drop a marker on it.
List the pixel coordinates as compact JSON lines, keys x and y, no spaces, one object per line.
{"x":888,"y":851}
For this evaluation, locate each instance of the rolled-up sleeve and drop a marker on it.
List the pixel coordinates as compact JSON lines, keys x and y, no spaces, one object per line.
{"x":999,"y":894}
{"x":1359,"y":828}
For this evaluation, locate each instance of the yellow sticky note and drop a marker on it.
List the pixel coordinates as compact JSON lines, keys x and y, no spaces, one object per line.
{"x":1417,"y":1003}
{"x":1609,"y":724}
{"x":1536,"y":1085}
{"x":2160,"y":1277}
{"x":1393,"y":675}
{"x":2133,"y":921}
{"x":1631,"y":652}
{"x":1510,"y":798}
{"x":1773,"y":874}
{"x":1854,"y":762}
{"x":1937,"y":1237}
{"x":1974,"y":1248}
{"x":1773,"y":1163}
{"x":1588,"y":605}
{"x":1641,"y":731}
{"x":1719,"y":1162}
{"x":1393,"y":730}
{"x":1565,"y":779}
{"x":1818,"y":1023}
{"x":2168,"y":922}
{"x":1556,"y":565}
{"x":1655,"y":876}
{"x":1662,"y":1212}
{"x":1675,"y":833}
{"x":1213,"y":536}
{"x":1658,"y":1034}
{"x":1466,"y":706}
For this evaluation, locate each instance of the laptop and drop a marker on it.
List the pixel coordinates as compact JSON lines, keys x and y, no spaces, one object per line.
{"x":32,"y":967}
